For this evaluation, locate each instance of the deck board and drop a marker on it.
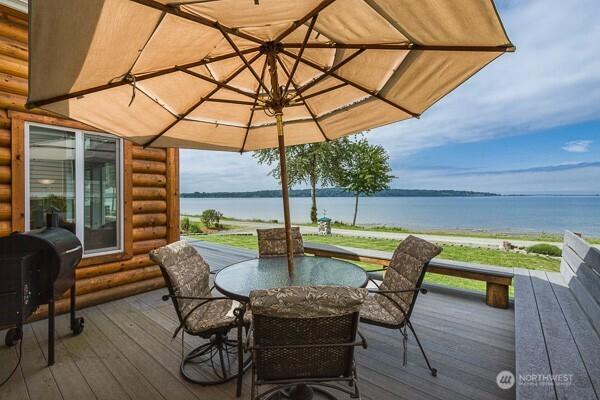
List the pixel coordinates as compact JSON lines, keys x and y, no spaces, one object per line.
{"x":66,"y":374}
{"x":39,"y":380}
{"x":126,"y":352}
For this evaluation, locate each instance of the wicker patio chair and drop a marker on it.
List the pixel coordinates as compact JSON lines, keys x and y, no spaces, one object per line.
{"x":187,"y":277}
{"x":271,"y":242}
{"x":392,"y":303}
{"x":303,"y":339}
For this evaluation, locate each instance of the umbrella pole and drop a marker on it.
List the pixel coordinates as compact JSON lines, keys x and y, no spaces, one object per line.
{"x":284,"y":191}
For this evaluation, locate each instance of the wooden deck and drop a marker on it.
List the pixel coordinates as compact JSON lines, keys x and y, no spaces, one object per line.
{"x":126,"y":352}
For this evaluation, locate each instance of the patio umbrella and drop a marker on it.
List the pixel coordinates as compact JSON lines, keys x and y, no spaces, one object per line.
{"x":229,"y":74}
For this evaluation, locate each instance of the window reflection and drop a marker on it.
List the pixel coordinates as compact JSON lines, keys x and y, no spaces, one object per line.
{"x":51,"y":176}
{"x":77,"y":174}
{"x":101,"y":200}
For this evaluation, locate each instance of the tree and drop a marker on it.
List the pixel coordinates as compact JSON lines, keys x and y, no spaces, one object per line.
{"x":311,"y":164}
{"x":364,"y":169}
{"x":211,"y":217}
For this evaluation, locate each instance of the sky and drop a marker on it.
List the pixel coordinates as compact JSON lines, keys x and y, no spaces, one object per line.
{"x":529,"y":123}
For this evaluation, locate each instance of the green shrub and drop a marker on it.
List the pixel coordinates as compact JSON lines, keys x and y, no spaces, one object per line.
{"x":211,"y":218}
{"x":545,"y":249}
{"x":185,"y":224}
{"x":195,"y":228}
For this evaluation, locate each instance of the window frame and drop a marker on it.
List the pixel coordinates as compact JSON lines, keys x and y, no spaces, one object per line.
{"x":79,"y":184}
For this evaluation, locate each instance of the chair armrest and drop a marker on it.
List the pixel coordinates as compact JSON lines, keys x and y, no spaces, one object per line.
{"x":308,"y":346}
{"x":166,"y":297}
{"x":203,"y":301}
{"x":379,"y":291}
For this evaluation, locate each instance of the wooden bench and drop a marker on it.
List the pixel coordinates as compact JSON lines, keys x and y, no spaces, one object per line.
{"x":557,"y":326}
{"x":498,"y":279}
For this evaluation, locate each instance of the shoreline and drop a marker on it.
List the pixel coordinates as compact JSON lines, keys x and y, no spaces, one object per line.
{"x":491,"y":216}
{"x":534,"y":236}
{"x":190,"y":196}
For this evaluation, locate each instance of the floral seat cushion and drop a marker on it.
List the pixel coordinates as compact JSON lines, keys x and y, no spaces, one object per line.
{"x":189,"y":276}
{"x":374,"y":312}
{"x":218,"y":314}
{"x":405,"y":270}
{"x":272,"y":243}
{"x":307,"y":301}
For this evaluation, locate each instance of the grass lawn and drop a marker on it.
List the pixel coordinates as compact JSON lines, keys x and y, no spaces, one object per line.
{"x":534,"y":237}
{"x":455,"y":253}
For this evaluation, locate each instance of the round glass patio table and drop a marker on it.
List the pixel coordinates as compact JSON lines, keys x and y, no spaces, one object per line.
{"x":238,"y":280}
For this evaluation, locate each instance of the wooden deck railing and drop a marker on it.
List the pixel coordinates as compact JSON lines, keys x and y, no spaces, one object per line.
{"x":498,"y":279}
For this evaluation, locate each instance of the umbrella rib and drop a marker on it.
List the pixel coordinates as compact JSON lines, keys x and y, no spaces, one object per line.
{"x":215,"y":82}
{"x":306,"y":37}
{"x":175,"y":10}
{"x":154,"y":100}
{"x":506,"y":48}
{"x":262,"y":75}
{"x":390,"y":20}
{"x":202,"y":100}
{"x":241,"y":56}
{"x":352,"y":83}
{"x":160,"y":20}
{"x":328,"y":72}
{"x":312,"y":114}
{"x":138,"y":78}
{"x":214,"y":122}
{"x":296,"y":24}
{"x":323,"y":91}
{"x":228,"y":101}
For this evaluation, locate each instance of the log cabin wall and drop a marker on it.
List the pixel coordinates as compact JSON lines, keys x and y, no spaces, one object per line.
{"x":150,"y":187}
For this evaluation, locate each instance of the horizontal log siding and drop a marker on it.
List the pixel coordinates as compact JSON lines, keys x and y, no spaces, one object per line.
{"x":13,"y":92}
{"x":149,"y":225}
{"x":103,"y":279}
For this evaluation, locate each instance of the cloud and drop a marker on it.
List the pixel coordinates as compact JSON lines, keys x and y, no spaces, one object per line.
{"x":546,"y":168}
{"x":577,"y":146}
{"x":552,"y":80}
{"x":546,"y":83}
{"x":212,"y":171}
{"x":579,"y":178}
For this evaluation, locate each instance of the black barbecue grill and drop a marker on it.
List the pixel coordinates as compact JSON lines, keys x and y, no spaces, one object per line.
{"x":37,"y":268}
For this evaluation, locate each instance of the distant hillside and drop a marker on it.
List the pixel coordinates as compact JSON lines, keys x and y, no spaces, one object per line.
{"x":338,"y":192}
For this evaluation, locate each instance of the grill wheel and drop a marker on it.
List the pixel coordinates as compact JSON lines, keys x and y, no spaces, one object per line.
{"x":13,"y":336}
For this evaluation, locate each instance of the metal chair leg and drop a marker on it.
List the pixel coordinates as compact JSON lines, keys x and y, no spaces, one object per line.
{"x":253,"y":385}
{"x":222,"y":359}
{"x":210,"y":354}
{"x":239,"y":314}
{"x":433,"y":370}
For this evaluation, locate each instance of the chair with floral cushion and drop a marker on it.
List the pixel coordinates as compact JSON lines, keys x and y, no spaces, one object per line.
{"x":392,"y":303}
{"x":302,"y":340}
{"x":187,"y":277}
{"x":271,"y":242}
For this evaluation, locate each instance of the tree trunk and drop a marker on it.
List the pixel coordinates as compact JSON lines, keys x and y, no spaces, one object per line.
{"x":313,"y":195}
{"x":355,"y":210}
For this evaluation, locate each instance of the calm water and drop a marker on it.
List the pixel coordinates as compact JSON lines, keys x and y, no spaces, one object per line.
{"x":502,"y":214}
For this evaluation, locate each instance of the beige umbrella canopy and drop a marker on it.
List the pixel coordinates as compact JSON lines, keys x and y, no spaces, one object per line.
{"x":227,"y":74}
